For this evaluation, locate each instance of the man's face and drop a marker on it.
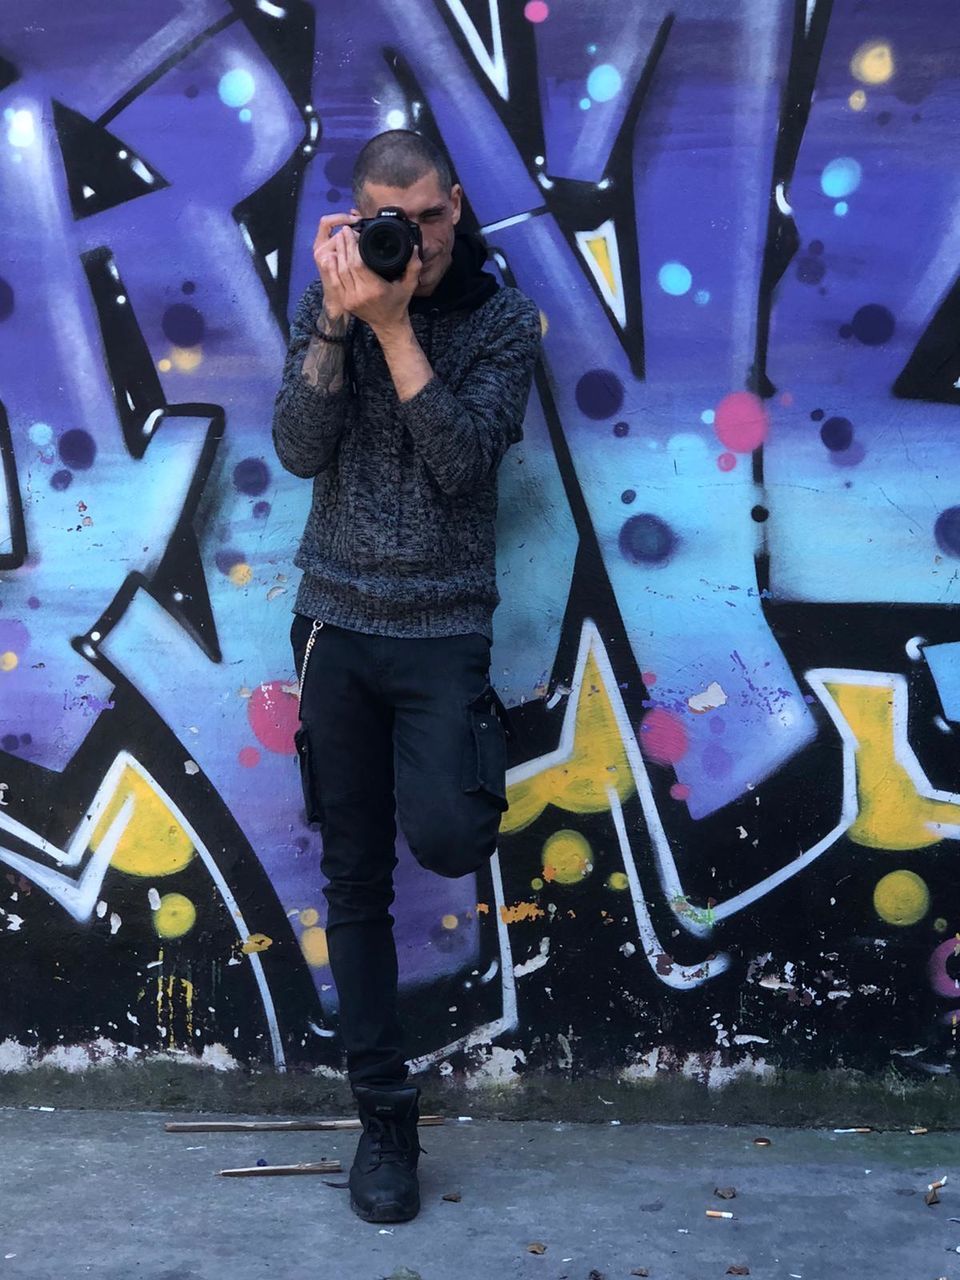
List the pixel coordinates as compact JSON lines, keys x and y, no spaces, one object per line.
{"x":436,"y":212}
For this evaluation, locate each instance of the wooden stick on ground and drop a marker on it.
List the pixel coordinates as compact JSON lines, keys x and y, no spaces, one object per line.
{"x":283,"y":1170}
{"x":272,"y":1126}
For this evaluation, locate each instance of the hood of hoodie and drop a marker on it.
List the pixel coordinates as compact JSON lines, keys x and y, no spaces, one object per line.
{"x":465,"y":286}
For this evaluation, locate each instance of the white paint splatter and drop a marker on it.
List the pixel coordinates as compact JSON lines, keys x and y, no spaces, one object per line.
{"x":153,"y":897}
{"x":496,"y":1066}
{"x":535,"y":962}
{"x":115,"y":922}
{"x":711,"y":698}
{"x":191,"y":767}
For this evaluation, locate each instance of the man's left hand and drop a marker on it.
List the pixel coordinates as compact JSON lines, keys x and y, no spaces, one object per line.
{"x":381,"y":303}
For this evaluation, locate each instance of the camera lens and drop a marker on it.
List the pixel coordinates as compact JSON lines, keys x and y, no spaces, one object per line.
{"x":386,"y":246}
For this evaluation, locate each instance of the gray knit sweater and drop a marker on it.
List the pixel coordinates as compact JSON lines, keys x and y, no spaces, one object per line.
{"x":400,"y":536}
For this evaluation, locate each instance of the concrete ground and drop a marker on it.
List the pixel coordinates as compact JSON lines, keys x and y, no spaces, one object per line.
{"x":111,"y":1194}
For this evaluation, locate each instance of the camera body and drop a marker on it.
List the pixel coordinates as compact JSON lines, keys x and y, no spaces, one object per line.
{"x":387,"y":241}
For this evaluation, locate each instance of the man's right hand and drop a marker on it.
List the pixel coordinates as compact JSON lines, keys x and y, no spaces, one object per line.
{"x":325,"y":256}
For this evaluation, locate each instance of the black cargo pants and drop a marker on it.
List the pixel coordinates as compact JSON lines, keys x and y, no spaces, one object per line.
{"x":392,"y":729}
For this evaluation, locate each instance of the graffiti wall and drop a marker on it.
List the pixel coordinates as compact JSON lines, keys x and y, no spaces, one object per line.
{"x":729,"y":541}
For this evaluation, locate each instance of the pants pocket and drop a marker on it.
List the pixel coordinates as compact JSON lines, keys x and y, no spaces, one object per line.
{"x":308,"y":783}
{"x":485,"y":757}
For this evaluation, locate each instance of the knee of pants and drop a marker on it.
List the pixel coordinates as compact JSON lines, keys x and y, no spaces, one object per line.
{"x":356,"y":900}
{"x":455,"y":845}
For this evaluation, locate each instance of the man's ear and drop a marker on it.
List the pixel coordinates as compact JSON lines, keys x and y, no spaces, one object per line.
{"x":456,"y":199}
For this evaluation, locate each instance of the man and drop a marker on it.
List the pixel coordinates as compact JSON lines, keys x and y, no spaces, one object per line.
{"x":398,"y":400}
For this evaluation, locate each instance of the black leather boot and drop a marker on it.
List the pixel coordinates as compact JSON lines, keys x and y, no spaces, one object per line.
{"x":383,"y":1180}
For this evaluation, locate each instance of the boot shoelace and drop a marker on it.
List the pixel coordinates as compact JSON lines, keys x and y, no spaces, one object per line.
{"x":390,"y":1143}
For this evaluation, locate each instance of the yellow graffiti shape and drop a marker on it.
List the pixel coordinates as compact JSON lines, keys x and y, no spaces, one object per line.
{"x":256,"y":942}
{"x":313,"y":943}
{"x":600,"y":248}
{"x":175,"y":916}
{"x":873,"y":62}
{"x":596,"y":761}
{"x":892,"y":812}
{"x":901,"y":898}
{"x":567,"y":858}
{"x":154,"y":843}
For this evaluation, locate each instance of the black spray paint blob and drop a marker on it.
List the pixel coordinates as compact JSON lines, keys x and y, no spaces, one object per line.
{"x":811,"y":270}
{"x":621,"y":429}
{"x":646,"y":539}
{"x":600,"y":394}
{"x":339,"y":170}
{"x":873,"y":325}
{"x":947,"y":531}
{"x":251,"y":476}
{"x":183,"y":325}
{"x":628,"y":496}
{"x":77,"y":449}
{"x":226,"y":559}
{"x":837,"y":434}
{"x":61,"y":480}
{"x":6,"y":299}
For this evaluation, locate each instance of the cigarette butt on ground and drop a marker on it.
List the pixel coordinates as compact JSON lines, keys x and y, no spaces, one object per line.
{"x":719,"y":1213}
{"x":918,"y":1130}
{"x":935,"y":1186}
{"x":272,"y":1126}
{"x":857,"y":1129}
{"x":282,"y":1170}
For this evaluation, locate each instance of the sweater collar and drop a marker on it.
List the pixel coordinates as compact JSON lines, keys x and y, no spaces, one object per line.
{"x":464,"y":286}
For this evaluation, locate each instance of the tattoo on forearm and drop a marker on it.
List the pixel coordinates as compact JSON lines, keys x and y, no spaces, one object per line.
{"x":323,"y":365}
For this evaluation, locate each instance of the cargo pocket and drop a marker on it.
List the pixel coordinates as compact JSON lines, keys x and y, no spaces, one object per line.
{"x":311,"y":796}
{"x":485,"y":757}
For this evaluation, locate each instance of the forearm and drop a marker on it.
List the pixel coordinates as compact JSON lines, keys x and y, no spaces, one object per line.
{"x":409,"y":367}
{"x":310,"y":410}
{"x":323,"y":364}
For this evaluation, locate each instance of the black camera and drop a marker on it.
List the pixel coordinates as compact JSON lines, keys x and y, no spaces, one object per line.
{"x":387,"y":242}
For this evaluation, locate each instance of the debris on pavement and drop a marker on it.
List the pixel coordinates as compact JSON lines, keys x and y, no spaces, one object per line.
{"x":404,"y":1273}
{"x":738,"y":1271}
{"x":761,"y":1142}
{"x":935,"y":1186}
{"x":453,"y":1196}
{"x":857,"y":1129}
{"x":283,"y":1170}
{"x":640,"y":1271}
{"x":725,"y":1193}
{"x":595,"y":1275}
{"x":536,"y":1247}
{"x":918,"y":1130}
{"x":719,"y":1213}
{"x":932,"y":1196}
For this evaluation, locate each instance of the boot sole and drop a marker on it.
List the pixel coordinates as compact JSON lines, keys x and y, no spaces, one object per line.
{"x":384,"y":1212}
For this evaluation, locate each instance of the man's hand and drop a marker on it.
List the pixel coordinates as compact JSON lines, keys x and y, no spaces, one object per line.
{"x":325,"y":256}
{"x":381,"y":303}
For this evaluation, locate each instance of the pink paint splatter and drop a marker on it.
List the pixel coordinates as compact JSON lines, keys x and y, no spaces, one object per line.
{"x":787,"y":399}
{"x":536,"y":11}
{"x":649,"y":678}
{"x":249,"y":757}
{"x":726,"y":462}
{"x":680,"y":791}
{"x":662,"y":737}
{"x":940,"y":979}
{"x":741,"y":421}
{"x":273,"y":717}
